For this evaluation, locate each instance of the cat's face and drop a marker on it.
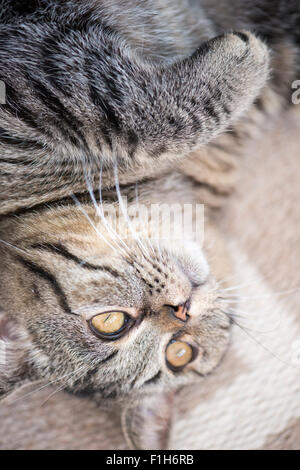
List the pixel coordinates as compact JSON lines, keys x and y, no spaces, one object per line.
{"x":111,"y":323}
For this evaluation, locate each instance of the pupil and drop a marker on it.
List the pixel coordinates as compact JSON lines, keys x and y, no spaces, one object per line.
{"x":110,"y":319}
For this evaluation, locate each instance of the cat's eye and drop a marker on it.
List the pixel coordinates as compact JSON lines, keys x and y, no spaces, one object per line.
{"x":110,"y":325}
{"x":179,"y":354}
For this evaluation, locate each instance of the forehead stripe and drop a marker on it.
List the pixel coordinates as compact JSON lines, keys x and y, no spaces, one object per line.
{"x":50,"y":278}
{"x":59,"y":249}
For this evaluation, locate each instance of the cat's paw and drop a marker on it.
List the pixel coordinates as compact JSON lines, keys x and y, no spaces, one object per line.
{"x":242,"y":63}
{"x":190,"y":102}
{"x":232,"y":70}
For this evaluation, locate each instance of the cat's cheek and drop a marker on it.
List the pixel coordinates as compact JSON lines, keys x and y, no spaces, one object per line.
{"x":214,"y":350}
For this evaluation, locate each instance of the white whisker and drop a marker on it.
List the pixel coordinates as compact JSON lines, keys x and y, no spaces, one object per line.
{"x":124,"y":212}
{"x":262,"y":345}
{"x":247,"y":316}
{"x":13,"y":247}
{"x":139,"y":216}
{"x":239,"y":298}
{"x":79,"y":205}
{"x":241,"y":286}
{"x":44,"y":386}
{"x":101,"y":214}
{"x":85,"y":368}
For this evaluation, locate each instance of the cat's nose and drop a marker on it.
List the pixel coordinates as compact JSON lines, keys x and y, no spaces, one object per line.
{"x":181,"y":311}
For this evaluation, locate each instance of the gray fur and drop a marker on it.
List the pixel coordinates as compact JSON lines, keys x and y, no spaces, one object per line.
{"x":81,"y":94}
{"x":95,"y":85}
{"x":47,"y":297}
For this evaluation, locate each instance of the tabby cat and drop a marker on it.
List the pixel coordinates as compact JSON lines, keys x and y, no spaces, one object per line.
{"x":107,"y":99}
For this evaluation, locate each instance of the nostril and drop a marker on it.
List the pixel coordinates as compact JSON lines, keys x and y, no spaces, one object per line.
{"x":180,"y":312}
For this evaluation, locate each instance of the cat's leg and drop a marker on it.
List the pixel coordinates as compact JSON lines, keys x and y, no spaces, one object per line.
{"x":146,"y":422}
{"x":111,"y":107}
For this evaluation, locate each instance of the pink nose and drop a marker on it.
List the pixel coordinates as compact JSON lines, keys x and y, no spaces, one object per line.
{"x":181,"y":311}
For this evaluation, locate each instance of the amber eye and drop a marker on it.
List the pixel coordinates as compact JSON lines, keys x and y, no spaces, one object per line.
{"x":109,"y":325}
{"x":179,"y":354}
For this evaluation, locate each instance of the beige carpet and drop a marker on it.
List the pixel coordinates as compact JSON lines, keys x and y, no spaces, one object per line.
{"x":253,"y":399}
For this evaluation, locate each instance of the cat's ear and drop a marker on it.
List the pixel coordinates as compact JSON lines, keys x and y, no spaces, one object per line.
{"x":14,"y":353}
{"x":146,"y":422}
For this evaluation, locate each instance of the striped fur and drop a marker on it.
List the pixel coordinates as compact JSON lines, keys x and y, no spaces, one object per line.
{"x":84,"y":95}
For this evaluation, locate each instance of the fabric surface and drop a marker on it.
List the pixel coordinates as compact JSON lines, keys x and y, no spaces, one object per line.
{"x":252,"y":400}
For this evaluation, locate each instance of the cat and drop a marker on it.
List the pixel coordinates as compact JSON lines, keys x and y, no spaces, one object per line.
{"x":103,"y":94}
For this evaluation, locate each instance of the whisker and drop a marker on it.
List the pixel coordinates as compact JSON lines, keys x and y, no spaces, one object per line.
{"x":241,"y":315}
{"x":263,"y":346}
{"x":86,"y":368}
{"x":9,"y":245}
{"x":113,"y":232}
{"x":108,"y":226}
{"x":125,"y":213}
{"x":79,"y":205}
{"x":238,"y":298}
{"x":99,"y":212}
{"x":139,"y":216}
{"x":241,"y":286}
{"x":226,"y":279}
{"x":41,"y":388}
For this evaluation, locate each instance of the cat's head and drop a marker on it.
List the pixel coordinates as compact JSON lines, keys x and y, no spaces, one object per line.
{"x":106,"y":315}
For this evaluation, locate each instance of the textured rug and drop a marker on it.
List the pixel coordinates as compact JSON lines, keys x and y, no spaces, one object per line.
{"x":253,"y":400}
